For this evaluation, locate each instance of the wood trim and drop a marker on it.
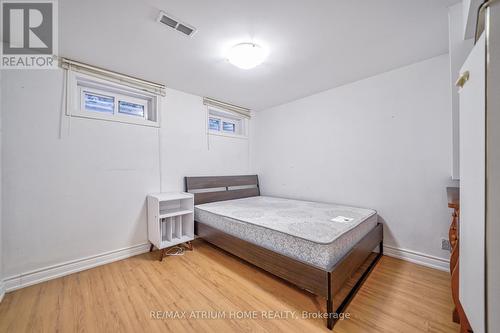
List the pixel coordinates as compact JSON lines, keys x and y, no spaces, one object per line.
{"x":458,"y":314}
{"x":218,"y":182}
{"x":206,"y":197}
{"x":196,"y":183}
{"x":302,"y":275}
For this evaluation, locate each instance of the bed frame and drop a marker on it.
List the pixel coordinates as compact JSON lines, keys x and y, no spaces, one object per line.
{"x":338,"y":284}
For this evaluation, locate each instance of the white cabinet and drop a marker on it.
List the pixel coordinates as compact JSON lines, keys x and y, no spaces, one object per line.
{"x":472,"y":187}
{"x":170,"y":218}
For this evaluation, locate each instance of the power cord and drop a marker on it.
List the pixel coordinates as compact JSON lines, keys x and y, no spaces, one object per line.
{"x":175,"y":251}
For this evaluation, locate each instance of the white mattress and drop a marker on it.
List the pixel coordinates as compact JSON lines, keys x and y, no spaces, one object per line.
{"x":301,"y":230}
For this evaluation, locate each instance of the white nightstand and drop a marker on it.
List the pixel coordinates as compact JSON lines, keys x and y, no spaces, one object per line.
{"x":170,"y":219}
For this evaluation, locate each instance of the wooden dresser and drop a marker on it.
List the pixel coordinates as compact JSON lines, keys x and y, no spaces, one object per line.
{"x":454,"y":237}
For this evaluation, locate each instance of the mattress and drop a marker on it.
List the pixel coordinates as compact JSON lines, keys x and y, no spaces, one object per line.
{"x":319,"y":234}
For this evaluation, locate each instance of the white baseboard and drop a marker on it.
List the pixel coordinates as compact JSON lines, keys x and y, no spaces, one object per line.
{"x":417,"y":258}
{"x":51,"y":272}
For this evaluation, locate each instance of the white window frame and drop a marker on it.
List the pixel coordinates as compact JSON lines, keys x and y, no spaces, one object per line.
{"x":77,"y":83}
{"x":241,"y":123}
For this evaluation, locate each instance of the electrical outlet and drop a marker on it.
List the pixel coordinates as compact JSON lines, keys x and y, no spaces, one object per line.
{"x":445,"y":244}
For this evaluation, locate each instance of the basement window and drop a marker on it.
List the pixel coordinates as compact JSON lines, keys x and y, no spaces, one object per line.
{"x":221,"y":122}
{"x":97,"y":98}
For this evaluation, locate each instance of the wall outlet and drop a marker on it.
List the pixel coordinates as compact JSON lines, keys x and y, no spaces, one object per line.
{"x":445,"y":244}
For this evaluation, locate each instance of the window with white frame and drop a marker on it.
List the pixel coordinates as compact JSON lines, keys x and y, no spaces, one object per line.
{"x":221,"y":122}
{"x":98,"y":98}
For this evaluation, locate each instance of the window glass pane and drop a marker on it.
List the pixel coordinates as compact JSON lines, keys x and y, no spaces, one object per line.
{"x":99,"y":103}
{"x":131,"y":108}
{"x":214,"y":124}
{"x":229,"y":127}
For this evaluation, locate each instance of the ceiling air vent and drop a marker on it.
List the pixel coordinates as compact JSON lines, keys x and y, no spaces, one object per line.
{"x":174,"y":23}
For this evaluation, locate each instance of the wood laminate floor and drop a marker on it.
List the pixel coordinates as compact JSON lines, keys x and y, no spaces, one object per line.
{"x":136,"y":295}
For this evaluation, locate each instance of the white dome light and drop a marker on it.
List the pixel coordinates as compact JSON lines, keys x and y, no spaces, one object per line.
{"x":246,"y":55}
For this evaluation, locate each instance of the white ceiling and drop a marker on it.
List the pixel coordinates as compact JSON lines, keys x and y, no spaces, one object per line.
{"x":313,"y":45}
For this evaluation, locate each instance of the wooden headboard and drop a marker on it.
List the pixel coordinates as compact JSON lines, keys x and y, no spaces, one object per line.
{"x":220,"y":188}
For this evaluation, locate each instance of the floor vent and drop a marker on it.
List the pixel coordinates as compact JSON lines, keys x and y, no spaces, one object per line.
{"x":173,"y":23}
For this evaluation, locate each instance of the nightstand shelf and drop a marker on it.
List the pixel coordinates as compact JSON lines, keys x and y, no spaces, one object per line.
{"x":170,"y":219}
{"x":174,"y":212}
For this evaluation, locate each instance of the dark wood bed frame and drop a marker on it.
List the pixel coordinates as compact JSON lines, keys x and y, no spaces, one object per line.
{"x":338,"y":284}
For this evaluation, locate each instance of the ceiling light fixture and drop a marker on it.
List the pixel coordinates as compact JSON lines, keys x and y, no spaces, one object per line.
{"x":246,"y":55}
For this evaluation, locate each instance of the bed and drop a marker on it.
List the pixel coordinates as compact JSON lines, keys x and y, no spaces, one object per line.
{"x":324,"y":248}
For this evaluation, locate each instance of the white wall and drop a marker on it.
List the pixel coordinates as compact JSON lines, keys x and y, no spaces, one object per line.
{"x":459,"y":50}
{"x":383,"y":142}
{"x":2,"y":287}
{"x":185,"y":150}
{"x":84,"y":193}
